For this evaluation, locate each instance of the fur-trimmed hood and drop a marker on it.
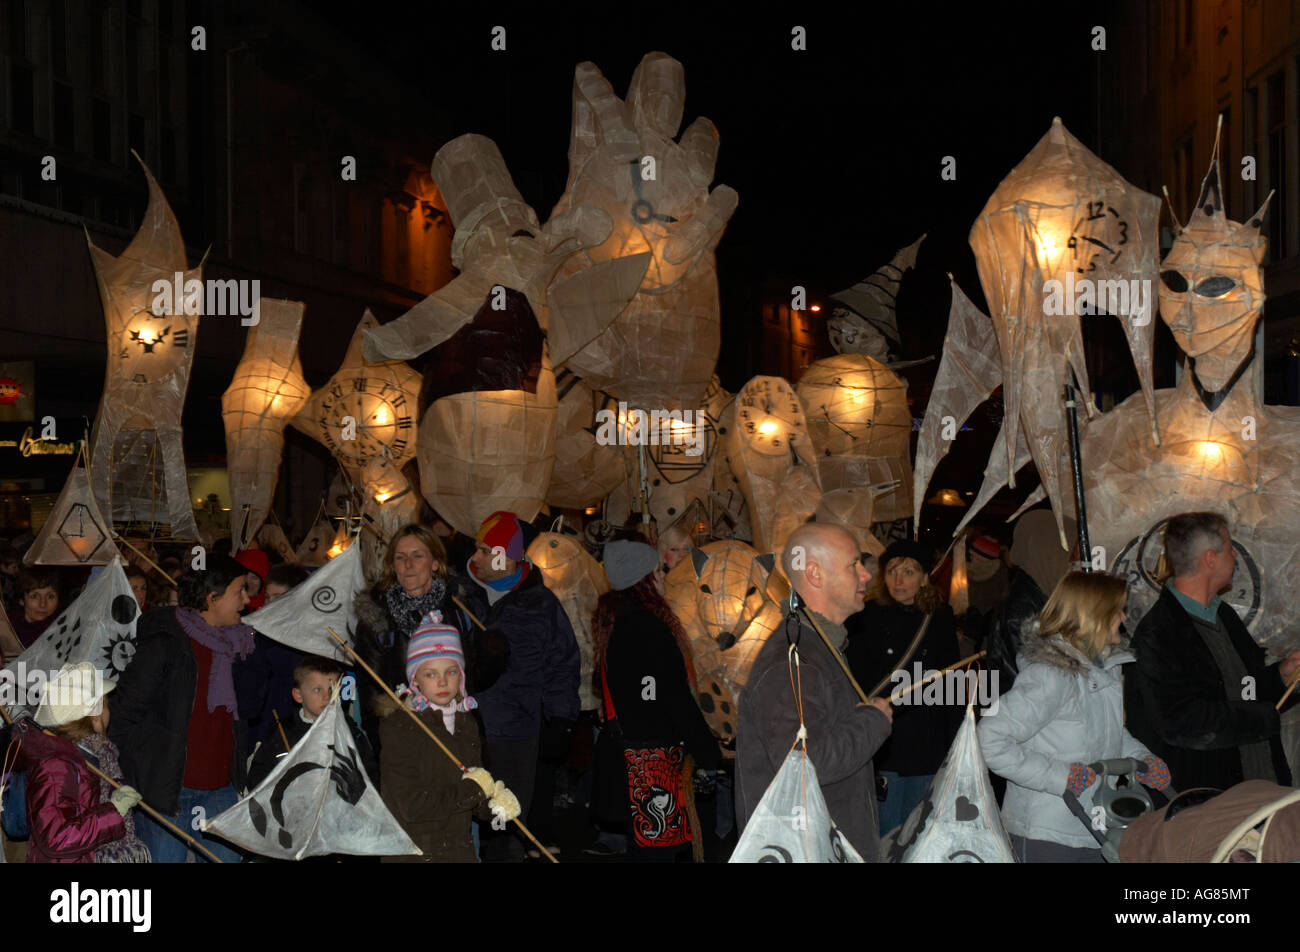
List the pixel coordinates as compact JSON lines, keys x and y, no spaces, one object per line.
{"x":371,"y":610}
{"x":1059,"y":653}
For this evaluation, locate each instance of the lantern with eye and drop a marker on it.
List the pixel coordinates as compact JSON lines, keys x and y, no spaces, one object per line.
{"x":720,"y":596}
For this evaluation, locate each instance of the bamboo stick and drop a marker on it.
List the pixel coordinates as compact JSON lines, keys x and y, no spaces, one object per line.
{"x":170,"y":581}
{"x":934,"y":674}
{"x":148,"y":809}
{"x":432,"y":736}
{"x":283,"y":736}
{"x":1295,"y":677}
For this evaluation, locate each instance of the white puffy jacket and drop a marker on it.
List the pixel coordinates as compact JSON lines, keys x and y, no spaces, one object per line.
{"x":1063,"y":709}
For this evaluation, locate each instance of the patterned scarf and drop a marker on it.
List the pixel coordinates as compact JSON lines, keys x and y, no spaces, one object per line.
{"x":225,"y":643}
{"x":408,"y":610}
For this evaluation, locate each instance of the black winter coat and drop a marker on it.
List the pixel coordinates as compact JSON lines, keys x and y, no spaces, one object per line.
{"x":151,"y":710}
{"x":268,"y":753}
{"x":529,"y":638}
{"x":1009,"y":623}
{"x":842,"y":737}
{"x":878,"y":638}
{"x":1176,"y":703}
{"x":661,"y":712}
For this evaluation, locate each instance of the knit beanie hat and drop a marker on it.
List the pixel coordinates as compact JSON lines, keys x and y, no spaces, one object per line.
{"x":907,"y":549}
{"x":433,"y":640}
{"x":503,"y":529}
{"x":627,"y":562}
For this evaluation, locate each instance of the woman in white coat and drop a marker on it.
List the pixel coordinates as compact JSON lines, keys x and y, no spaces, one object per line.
{"x":1065,"y":712}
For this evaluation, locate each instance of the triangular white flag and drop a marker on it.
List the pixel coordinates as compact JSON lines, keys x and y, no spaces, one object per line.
{"x":958,"y":821}
{"x":791,"y":823}
{"x":318,"y":800}
{"x":299,"y":618}
{"x":98,"y":627}
{"x":75,"y":533}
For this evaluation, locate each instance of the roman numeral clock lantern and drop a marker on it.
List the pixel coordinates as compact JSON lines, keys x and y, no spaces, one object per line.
{"x":366,"y":411}
{"x":137,"y":463}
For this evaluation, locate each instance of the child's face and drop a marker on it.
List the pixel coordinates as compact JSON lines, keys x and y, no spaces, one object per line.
{"x":314,"y":692}
{"x":9,"y":568}
{"x":439,"y":680}
{"x":274,"y":590}
{"x":140,"y":589}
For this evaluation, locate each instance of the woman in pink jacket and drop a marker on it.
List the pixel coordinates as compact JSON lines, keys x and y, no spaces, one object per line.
{"x":70,"y":817}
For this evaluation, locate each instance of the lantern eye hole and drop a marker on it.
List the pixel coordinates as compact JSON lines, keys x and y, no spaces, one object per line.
{"x":1174,"y":281}
{"x":752,"y":590}
{"x":523,"y":233}
{"x":706,"y":590}
{"x":1216,"y":286}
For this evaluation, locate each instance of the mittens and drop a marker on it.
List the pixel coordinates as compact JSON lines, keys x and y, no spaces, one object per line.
{"x":503,"y":803}
{"x":124,"y":798}
{"x":1157,"y":775}
{"x":1081,"y":776}
{"x":482,"y":778}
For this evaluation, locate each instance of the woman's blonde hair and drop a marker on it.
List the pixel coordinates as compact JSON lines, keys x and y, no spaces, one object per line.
{"x":927,"y":596}
{"x":431,"y":542}
{"x":1081,"y":610}
{"x":74,"y":731}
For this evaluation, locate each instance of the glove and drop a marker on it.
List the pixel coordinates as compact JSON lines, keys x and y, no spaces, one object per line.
{"x":1081,"y":777}
{"x":1157,"y":775}
{"x":503,"y":803}
{"x":124,"y":798}
{"x":557,"y":737}
{"x":482,"y":778}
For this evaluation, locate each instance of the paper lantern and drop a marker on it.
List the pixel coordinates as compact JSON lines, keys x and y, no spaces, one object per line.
{"x":1221,"y":449}
{"x":389,"y":504}
{"x":75,"y":532}
{"x":720,"y":597}
{"x":854,"y":509}
{"x":313,"y":549}
{"x":861,"y":427}
{"x":137,"y":463}
{"x":578,"y":581}
{"x":271,"y":538}
{"x":661,"y":350}
{"x":341,"y":543}
{"x":768,"y":438}
{"x":586,"y":470}
{"x":1061,"y":223}
{"x":367,"y":409}
{"x":267,"y":390}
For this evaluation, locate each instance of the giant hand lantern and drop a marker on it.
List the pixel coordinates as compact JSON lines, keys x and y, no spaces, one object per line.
{"x":268,"y":389}
{"x":623,"y":160}
{"x":366,"y":410}
{"x":861,"y":427}
{"x":152,"y":303}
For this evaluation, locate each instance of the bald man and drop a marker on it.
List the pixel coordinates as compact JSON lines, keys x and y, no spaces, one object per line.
{"x":825,"y":567}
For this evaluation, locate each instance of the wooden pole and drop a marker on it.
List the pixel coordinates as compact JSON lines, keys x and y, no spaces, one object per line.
{"x":425,"y":727}
{"x":148,"y":809}
{"x":170,"y":581}
{"x":1295,"y":677}
{"x":934,"y":674}
{"x":283,"y":736}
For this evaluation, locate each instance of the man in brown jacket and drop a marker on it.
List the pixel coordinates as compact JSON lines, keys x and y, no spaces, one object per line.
{"x":825,"y":568}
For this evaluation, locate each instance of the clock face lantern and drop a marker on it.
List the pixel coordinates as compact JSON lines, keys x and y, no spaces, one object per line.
{"x":861,"y":426}
{"x":74,"y":533}
{"x":137,"y":462}
{"x":1063,"y":236}
{"x":267,"y":390}
{"x":769,"y":438}
{"x":365,"y":410}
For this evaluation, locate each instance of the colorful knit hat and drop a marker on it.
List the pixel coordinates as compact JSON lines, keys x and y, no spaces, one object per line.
{"x":503,"y":529}
{"x":432,"y":640}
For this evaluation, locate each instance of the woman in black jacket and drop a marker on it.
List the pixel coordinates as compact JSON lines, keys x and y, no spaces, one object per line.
{"x":879,"y":637}
{"x":642,"y":652}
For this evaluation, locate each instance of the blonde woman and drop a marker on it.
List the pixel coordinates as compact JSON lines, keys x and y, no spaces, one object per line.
{"x":1065,"y":712}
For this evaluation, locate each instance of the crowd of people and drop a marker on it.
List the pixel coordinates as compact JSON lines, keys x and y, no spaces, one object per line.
{"x":480,"y":653}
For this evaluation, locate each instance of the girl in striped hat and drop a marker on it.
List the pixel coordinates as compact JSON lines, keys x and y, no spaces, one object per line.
{"x":432,"y":799}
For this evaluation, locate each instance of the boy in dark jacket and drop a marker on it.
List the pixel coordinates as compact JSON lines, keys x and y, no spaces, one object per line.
{"x":314,"y":678}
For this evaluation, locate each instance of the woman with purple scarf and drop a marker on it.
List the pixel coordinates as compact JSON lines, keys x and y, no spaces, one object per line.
{"x":175,"y":708}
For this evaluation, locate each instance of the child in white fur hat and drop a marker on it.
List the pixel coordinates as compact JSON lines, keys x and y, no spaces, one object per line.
{"x":422,"y":788}
{"x":75,"y":817}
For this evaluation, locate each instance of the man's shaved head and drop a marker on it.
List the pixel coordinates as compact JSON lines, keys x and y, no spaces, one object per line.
{"x":823,"y":564}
